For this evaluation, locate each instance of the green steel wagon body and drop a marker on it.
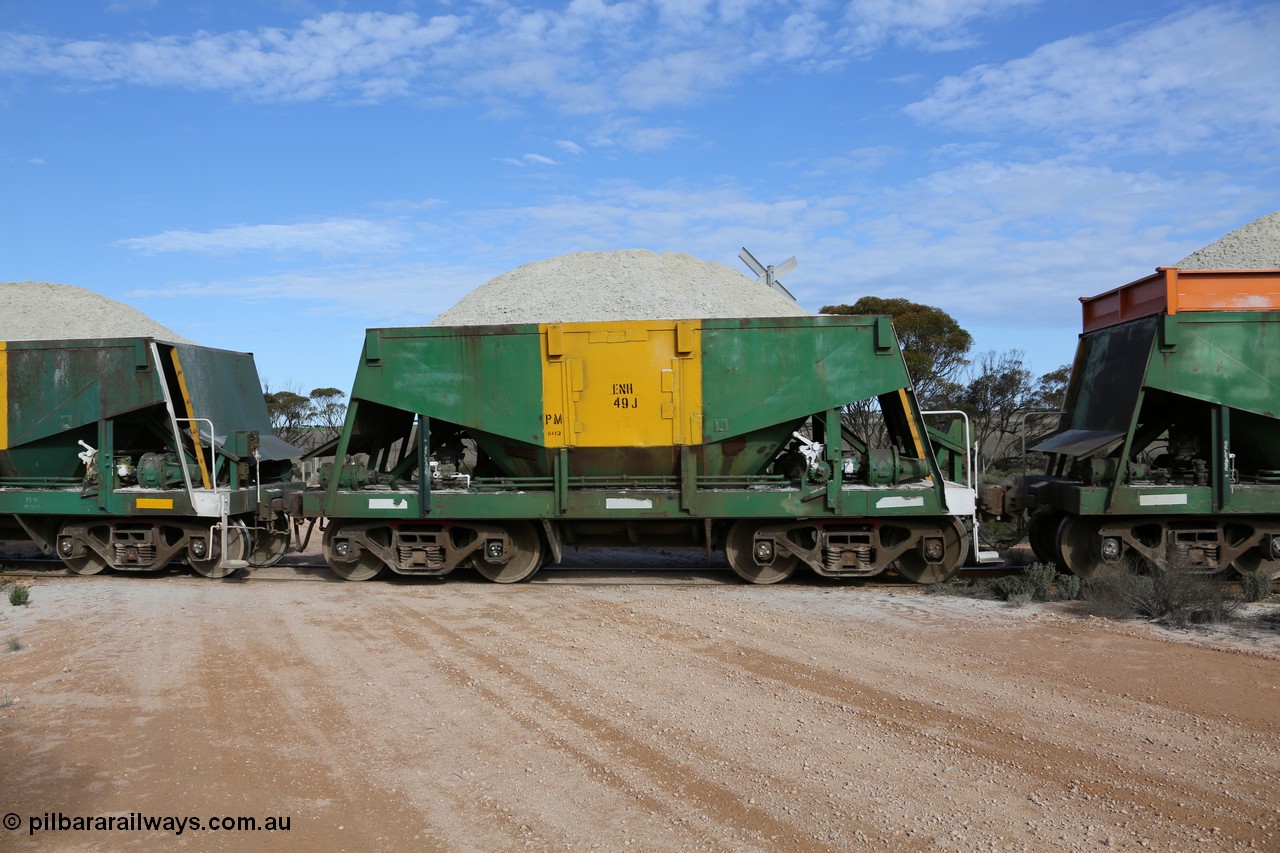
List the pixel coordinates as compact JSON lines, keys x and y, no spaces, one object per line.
{"x":128,"y":453}
{"x":1168,"y":452}
{"x":498,"y":446}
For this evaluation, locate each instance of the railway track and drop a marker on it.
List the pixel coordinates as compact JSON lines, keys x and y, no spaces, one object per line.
{"x":648,"y":574}
{"x":590,"y":567}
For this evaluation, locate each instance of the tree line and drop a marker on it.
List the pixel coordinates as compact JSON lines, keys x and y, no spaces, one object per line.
{"x":995,"y":389}
{"x":305,"y":421}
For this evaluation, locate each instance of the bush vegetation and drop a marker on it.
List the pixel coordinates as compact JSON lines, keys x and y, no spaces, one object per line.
{"x":1177,"y":597}
{"x":1256,"y":586}
{"x":1037,"y":582}
{"x":19,"y":595}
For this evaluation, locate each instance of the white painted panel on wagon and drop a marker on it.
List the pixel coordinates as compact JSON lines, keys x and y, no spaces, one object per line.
{"x":898,"y":503}
{"x":1162,"y":500}
{"x":628,"y":503}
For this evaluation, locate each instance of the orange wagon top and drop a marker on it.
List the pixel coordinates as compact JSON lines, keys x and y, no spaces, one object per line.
{"x":1170,"y":290}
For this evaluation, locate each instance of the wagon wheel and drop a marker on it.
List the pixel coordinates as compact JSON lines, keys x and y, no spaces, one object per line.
{"x":914,"y":567}
{"x":90,"y":562}
{"x":1080,"y":546}
{"x":1251,"y":561}
{"x":238,"y":546}
{"x":739,"y":548}
{"x":353,"y":564}
{"x":521,"y":562}
{"x":270,"y":543}
{"x":1042,"y":536}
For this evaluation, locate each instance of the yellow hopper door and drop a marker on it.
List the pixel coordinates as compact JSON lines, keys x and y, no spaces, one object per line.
{"x":636,"y":383}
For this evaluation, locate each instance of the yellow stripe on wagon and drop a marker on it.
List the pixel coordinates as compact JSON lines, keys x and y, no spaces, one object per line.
{"x":153,"y":503}
{"x":191,"y":418}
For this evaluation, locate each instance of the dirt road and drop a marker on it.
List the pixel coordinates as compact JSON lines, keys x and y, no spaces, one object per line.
{"x":647,"y":716}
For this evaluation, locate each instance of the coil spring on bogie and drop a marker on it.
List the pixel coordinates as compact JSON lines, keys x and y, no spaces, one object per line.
{"x":134,"y":555}
{"x":833,"y":558}
{"x":1208,"y":552}
{"x":431,"y":556}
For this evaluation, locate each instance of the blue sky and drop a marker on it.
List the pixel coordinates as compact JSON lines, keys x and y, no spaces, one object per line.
{"x":277,"y":176}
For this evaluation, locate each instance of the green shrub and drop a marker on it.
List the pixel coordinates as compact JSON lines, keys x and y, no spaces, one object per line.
{"x":15,"y":644}
{"x":1008,"y":586}
{"x":961,"y":587}
{"x":1176,"y":597}
{"x":19,"y":595}
{"x":1034,"y":583}
{"x":1256,"y":586}
{"x":1069,"y":587}
{"x":1040,"y":581}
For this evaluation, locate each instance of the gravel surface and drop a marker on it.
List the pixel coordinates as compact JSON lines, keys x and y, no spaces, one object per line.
{"x":472,"y":716}
{"x":1255,"y":246}
{"x":39,"y":311}
{"x":627,"y":285}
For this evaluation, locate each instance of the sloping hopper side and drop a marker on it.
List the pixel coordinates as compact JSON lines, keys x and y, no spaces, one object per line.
{"x":225,"y":388}
{"x":1105,"y":380}
{"x":57,"y":391}
{"x":1229,"y":358}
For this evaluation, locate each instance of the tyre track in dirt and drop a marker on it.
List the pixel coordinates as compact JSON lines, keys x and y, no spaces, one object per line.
{"x":1168,"y":796}
{"x":680,"y":784}
{"x":268,"y":691}
{"x":432,"y":764}
{"x":486,"y":717}
{"x":207,"y":712}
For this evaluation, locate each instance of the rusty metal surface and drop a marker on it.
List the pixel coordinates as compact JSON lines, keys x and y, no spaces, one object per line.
{"x":1170,"y":291}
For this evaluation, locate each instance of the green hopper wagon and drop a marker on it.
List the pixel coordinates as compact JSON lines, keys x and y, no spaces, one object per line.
{"x":498,"y":446}
{"x":1168,"y":453}
{"x":129,"y":453}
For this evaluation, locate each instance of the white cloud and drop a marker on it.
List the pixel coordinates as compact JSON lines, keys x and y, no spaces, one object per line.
{"x":686,"y":15}
{"x":675,"y":78}
{"x":865,"y":159}
{"x":408,"y":205}
{"x":631,"y":135}
{"x":1016,"y":243}
{"x":933,"y":25}
{"x":329,"y":238}
{"x":800,"y":37}
{"x":998,"y":245}
{"x":569,"y":147}
{"x":1173,"y":85}
{"x":585,"y":56}
{"x":540,"y":160}
{"x":125,"y":6}
{"x":368,"y":54}
{"x":384,"y":294}
{"x":536,"y":74}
